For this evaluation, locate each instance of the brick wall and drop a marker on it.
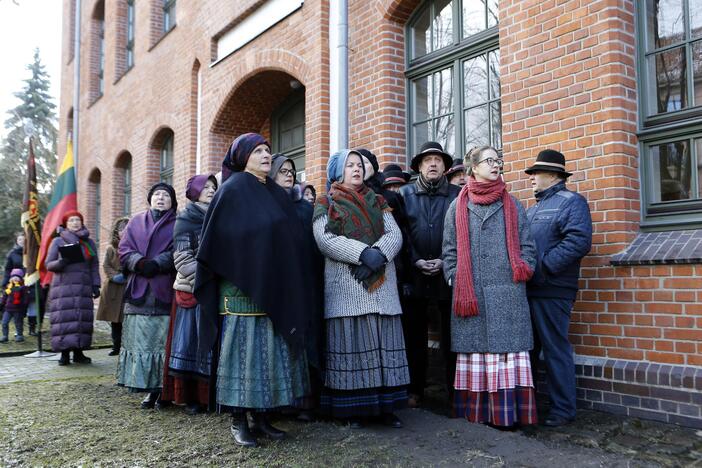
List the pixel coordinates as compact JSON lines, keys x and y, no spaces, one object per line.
{"x":568,"y":82}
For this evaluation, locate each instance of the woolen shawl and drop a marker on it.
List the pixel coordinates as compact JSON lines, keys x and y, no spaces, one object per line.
{"x":148,"y":238}
{"x":252,"y":237}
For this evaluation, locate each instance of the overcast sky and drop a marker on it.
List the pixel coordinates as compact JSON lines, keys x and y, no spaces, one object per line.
{"x":24,"y":26}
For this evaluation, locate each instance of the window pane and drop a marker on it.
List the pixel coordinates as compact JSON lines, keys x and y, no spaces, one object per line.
{"x":669,"y":79}
{"x":496,"y":124}
{"x":697,"y":70}
{"x":476,"y":127}
{"x":494,"y":73}
{"x":421,"y":35}
{"x":423,"y":132}
{"x":672,"y":172}
{"x":442,"y":26}
{"x":473,"y":17}
{"x":422,"y":99}
{"x":665,"y":22}
{"x":493,"y":13}
{"x":443,"y":92}
{"x":475,"y":83}
{"x":446,"y":133}
{"x":698,"y":153}
{"x":695,"y":18}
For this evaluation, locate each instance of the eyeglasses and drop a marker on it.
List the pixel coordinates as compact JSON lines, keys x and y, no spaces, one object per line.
{"x":286,"y":172}
{"x":492,"y":162}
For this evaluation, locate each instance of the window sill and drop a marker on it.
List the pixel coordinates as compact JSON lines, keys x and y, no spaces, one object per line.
{"x":95,"y":101}
{"x":123,"y":75}
{"x":662,"y":248}
{"x":158,"y":41}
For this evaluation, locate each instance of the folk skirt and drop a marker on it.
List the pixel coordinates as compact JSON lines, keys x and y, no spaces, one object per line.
{"x":142,"y":355}
{"x":366,"y":371}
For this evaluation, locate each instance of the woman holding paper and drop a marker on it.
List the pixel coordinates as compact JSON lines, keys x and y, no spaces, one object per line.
{"x":72,"y":258}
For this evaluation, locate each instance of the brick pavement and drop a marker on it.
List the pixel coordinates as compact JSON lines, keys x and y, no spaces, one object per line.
{"x":20,"y":368}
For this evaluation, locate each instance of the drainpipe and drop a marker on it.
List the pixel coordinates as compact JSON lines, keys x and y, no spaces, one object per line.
{"x":338,"y":75}
{"x":76,"y":88}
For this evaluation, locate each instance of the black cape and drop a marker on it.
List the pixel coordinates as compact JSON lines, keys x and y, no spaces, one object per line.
{"x":251,"y":236}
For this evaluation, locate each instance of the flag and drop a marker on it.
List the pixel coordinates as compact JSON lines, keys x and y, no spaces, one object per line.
{"x":31,"y":222}
{"x":63,"y":199}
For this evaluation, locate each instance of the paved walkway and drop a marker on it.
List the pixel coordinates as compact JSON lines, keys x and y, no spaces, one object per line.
{"x":20,"y":368}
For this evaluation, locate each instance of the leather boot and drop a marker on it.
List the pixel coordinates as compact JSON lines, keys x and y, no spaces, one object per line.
{"x":80,"y":358}
{"x":65,"y":358}
{"x":240,"y":431}
{"x":150,"y":400}
{"x":262,"y":424}
{"x":32,"y":329}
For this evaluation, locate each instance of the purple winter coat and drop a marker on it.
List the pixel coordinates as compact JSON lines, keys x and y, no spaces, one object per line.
{"x":70,"y":301}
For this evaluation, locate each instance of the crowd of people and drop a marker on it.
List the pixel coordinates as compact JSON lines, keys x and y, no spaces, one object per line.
{"x":261,"y":297}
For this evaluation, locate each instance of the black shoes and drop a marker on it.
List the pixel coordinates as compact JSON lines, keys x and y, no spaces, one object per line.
{"x":261,"y":424}
{"x":391,"y":420}
{"x":150,"y":401}
{"x":241,"y":432}
{"x":80,"y":358}
{"x":194,"y":408}
{"x":557,"y":421}
{"x":355,"y":423}
{"x":114,"y":352}
{"x":65,"y":358}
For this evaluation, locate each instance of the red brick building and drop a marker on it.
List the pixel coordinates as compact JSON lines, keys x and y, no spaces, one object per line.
{"x":166,"y":86}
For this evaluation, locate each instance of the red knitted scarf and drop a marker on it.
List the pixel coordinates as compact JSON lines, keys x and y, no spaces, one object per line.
{"x":465,"y":303}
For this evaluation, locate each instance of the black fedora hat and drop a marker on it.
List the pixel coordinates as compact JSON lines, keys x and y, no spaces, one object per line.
{"x":457,"y":166}
{"x":430,"y":147}
{"x":549,"y":160}
{"x":393,"y":174}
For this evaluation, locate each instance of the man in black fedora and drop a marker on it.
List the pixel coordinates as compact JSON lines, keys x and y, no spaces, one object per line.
{"x":561,"y":225}
{"x":456,"y":174}
{"x":426,"y":202}
{"x":394,"y":177}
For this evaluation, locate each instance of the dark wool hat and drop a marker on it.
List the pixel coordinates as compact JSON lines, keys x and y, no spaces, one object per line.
{"x":457,"y":166}
{"x":196,"y":184}
{"x":238,"y":154}
{"x":371,"y":157}
{"x":277,"y":162}
{"x":393,"y":174}
{"x":430,"y":147}
{"x":17,"y":272}
{"x":69,"y":214}
{"x":549,"y":160}
{"x":167,"y":188}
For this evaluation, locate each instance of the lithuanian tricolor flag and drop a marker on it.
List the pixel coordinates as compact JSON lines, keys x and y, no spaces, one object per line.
{"x":63,"y":199}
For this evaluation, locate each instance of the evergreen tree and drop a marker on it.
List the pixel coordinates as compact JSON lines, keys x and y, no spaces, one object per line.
{"x":35,"y":113}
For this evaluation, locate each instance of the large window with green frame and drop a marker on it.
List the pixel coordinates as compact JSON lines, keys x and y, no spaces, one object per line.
{"x":670,"y":101}
{"x":453,"y":73}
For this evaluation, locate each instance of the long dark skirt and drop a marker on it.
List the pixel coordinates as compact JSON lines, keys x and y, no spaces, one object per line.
{"x":142,"y":355}
{"x":366,"y":366}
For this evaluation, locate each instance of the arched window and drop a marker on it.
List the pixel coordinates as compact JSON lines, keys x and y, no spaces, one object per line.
{"x":98,"y":50}
{"x":169,"y":15}
{"x":95,"y":200}
{"x":122,"y":183}
{"x":166,"y":167}
{"x":453,"y":72}
{"x":130,"y":35}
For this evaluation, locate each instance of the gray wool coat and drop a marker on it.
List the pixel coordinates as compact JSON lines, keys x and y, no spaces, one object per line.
{"x":503,"y":324}
{"x":343,"y":295}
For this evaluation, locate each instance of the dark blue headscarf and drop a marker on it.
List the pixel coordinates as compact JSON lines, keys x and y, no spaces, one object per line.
{"x":238,"y":154}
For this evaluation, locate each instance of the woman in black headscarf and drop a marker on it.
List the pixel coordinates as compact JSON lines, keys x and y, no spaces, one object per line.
{"x":250,"y":273}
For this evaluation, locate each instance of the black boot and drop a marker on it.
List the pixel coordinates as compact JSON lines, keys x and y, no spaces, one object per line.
{"x":240,"y":431}
{"x":65,"y":358}
{"x":80,"y":358}
{"x":193,"y":409}
{"x":262,"y":424}
{"x":32,"y":329}
{"x":150,"y":400}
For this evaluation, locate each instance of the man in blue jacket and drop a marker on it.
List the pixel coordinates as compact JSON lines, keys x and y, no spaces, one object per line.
{"x":561,"y":225}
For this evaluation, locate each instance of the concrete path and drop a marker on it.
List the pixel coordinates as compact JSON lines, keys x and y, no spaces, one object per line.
{"x":20,"y":368}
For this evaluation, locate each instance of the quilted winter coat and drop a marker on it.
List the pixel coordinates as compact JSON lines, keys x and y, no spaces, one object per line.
{"x":70,"y":302}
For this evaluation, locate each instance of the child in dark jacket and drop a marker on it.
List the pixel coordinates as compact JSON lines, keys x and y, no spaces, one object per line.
{"x":14,"y":302}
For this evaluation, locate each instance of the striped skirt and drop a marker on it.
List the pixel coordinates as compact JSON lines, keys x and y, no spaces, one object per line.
{"x":495,"y":388}
{"x":366,"y":366}
{"x":142,"y":355}
{"x":257,"y":369}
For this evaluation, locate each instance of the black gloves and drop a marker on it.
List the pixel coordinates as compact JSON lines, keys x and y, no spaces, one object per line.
{"x":147,"y":268}
{"x":96,"y":292}
{"x":361,"y":273}
{"x":373,"y":259}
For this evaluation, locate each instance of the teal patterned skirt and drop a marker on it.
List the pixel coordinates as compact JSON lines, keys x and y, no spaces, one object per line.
{"x":143,"y":352}
{"x":257,"y":369}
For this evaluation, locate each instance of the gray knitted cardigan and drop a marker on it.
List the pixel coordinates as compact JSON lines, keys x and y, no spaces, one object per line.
{"x":343,"y":295}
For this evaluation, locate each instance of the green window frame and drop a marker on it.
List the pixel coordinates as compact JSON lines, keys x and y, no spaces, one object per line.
{"x":127,"y":200}
{"x":669,"y":61}
{"x":166,"y":173}
{"x":101,"y":58}
{"x":288,"y":130}
{"x":130,"y":34}
{"x":169,"y":15}
{"x":452,"y":72}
